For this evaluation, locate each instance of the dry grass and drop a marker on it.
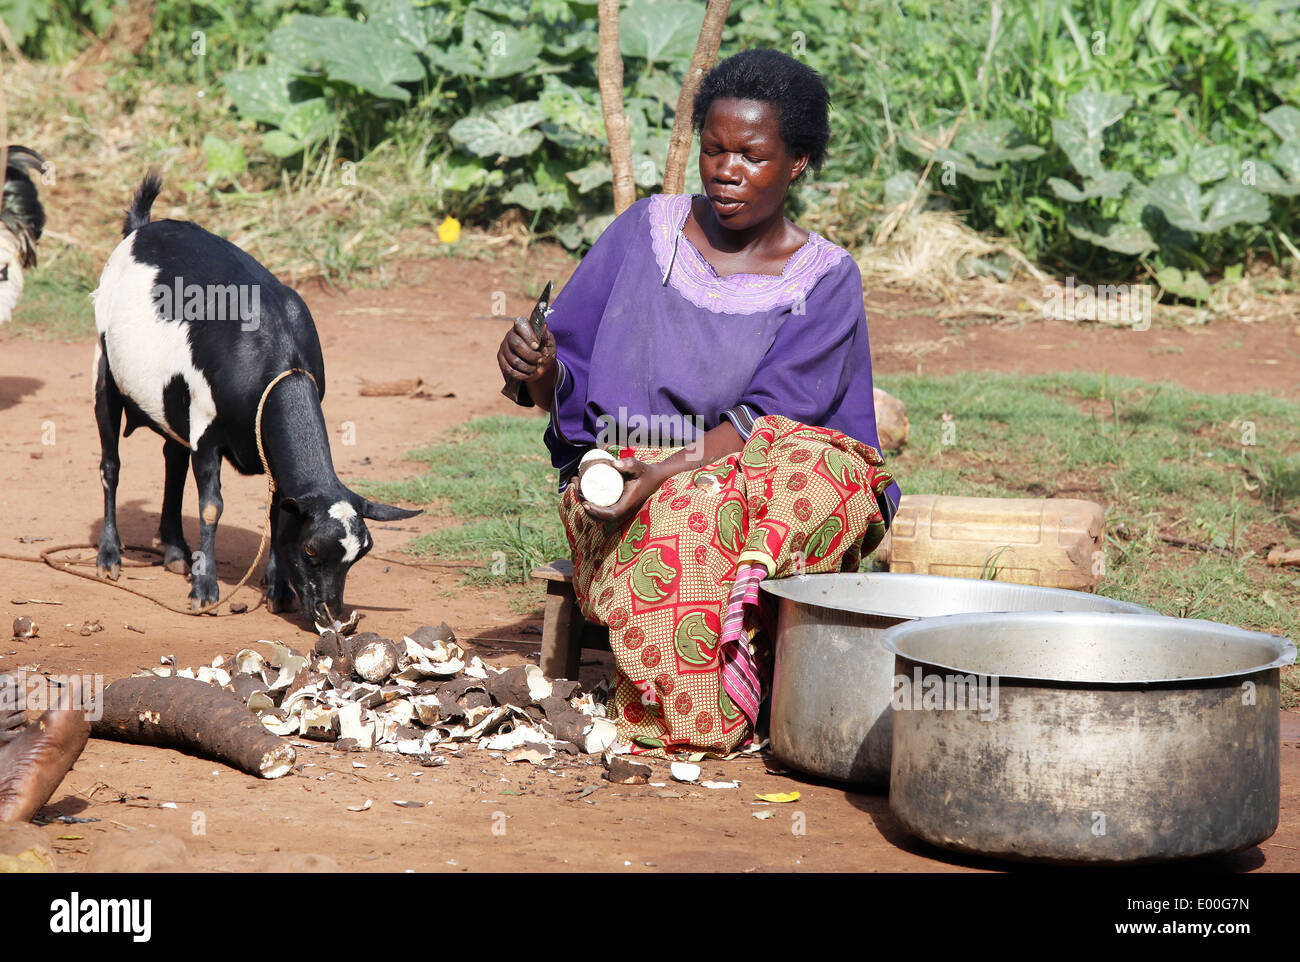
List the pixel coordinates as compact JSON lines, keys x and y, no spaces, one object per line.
{"x":985,"y":280}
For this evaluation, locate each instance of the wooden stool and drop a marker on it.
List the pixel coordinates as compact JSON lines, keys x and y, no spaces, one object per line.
{"x":564,"y":631}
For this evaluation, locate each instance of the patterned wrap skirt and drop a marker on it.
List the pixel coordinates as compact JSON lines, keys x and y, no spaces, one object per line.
{"x":795,"y":500}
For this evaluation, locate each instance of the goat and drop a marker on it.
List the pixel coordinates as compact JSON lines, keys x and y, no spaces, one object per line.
{"x":23,"y":219}
{"x":192,"y":330}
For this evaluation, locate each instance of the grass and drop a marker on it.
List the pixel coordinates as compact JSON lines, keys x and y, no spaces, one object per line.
{"x":494,"y":475}
{"x":1163,"y":460}
{"x":56,"y":296}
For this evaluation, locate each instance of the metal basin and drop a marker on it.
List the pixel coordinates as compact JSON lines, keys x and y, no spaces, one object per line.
{"x":832,"y":681}
{"x":1086,"y":738}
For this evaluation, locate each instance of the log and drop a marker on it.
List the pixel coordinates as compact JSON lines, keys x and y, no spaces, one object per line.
{"x":609,"y":74}
{"x":706,"y":51}
{"x":191,"y":717}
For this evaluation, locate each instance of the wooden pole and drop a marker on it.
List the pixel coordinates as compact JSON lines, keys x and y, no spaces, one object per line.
{"x":706,"y":51}
{"x":609,"y":72}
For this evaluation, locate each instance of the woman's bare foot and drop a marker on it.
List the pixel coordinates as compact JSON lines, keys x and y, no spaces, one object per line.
{"x":35,"y":757}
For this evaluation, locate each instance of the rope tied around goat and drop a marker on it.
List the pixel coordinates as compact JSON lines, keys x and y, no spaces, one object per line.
{"x":66,"y":566}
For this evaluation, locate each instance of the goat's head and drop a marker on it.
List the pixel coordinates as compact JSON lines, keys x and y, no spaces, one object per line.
{"x":319,"y":538}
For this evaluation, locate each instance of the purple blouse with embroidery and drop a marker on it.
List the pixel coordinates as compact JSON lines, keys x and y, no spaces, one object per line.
{"x":654,"y":345}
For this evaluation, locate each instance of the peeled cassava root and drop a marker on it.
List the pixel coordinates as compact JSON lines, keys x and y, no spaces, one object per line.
{"x":193,"y":717}
{"x":599,"y":482}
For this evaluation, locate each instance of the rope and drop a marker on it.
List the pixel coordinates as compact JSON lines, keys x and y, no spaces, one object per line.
{"x":261,"y":548}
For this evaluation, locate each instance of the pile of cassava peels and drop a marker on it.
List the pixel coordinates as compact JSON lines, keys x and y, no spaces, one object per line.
{"x":417,"y":696}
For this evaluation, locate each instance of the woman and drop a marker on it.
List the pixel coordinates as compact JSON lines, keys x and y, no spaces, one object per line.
{"x":720,"y":353}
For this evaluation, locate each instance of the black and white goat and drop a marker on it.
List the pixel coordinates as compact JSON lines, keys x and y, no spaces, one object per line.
{"x":191,"y":332}
{"x":23,"y":219}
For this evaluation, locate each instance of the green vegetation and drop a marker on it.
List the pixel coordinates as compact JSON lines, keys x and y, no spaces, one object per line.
{"x":494,"y":475}
{"x":1109,"y":138}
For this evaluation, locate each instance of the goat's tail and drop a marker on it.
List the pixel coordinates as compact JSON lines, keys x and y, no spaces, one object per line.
{"x":137,"y":215}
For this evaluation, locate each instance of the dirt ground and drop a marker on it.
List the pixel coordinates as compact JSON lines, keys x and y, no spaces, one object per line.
{"x":433,"y":320}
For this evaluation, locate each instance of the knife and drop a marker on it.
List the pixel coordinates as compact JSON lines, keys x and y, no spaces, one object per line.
{"x":537,"y":321}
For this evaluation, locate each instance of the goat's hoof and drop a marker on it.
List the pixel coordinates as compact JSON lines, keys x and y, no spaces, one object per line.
{"x":177,"y":566}
{"x":110,"y":571}
{"x":278,"y":603}
{"x":202,"y":596}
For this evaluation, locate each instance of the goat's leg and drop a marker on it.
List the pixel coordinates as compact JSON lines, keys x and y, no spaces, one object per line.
{"x":279,"y":595}
{"x":207,"y":476}
{"x":171,"y":534}
{"x":108,"y":415}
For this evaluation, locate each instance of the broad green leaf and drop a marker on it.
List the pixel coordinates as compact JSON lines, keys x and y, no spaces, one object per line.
{"x":660,"y":32}
{"x":1287,"y":157}
{"x":595,"y":174}
{"x":577,"y":44}
{"x":304,"y":38}
{"x":491,"y":49}
{"x":566,"y":107}
{"x":570,"y":235}
{"x":418,"y":29}
{"x":1094,"y":112}
{"x":460,"y":177}
{"x":1084,"y":154}
{"x":660,"y":86}
{"x":1130,"y":239}
{"x":1111,"y":183}
{"x":1232,"y":202}
{"x":226,"y":161}
{"x":260,"y":93}
{"x":595,"y":226}
{"x":529,"y":197}
{"x":280,"y":144}
{"x":1283,"y":121}
{"x":506,"y":132}
{"x":899,"y":187}
{"x":23,"y":17}
{"x":309,"y":121}
{"x":964,"y":166}
{"x":375,"y":62}
{"x":1206,"y":165}
{"x":1270,"y":180}
{"x":1179,"y":198}
{"x":992,"y":142}
{"x":1189,"y":284}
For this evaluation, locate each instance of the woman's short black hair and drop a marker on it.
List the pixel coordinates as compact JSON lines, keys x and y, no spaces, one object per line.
{"x":794,"y":89}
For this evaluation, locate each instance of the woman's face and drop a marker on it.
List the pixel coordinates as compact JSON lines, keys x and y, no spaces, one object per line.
{"x":744,"y":164}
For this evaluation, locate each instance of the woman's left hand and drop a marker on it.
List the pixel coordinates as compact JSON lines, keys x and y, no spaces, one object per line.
{"x":640,"y":481}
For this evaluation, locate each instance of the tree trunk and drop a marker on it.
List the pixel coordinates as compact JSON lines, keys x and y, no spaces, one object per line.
{"x":609,"y":71}
{"x":706,"y":51}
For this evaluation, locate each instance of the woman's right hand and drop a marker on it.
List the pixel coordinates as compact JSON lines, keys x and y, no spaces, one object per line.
{"x":521,"y":357}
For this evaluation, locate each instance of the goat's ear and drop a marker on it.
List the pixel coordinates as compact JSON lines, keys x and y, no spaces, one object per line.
{"x":385,"y":512}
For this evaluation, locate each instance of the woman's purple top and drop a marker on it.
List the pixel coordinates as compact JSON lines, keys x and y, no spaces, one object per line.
{"x":655,"y":348}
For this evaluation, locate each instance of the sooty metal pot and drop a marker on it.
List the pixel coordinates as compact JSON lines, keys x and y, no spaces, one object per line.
{"x":1086,"y":738}
{"x":833,"y":681}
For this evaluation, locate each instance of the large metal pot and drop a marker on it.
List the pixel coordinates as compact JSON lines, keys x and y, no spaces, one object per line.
{"x":1093,"y":738}
{"x":832,"y":681}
